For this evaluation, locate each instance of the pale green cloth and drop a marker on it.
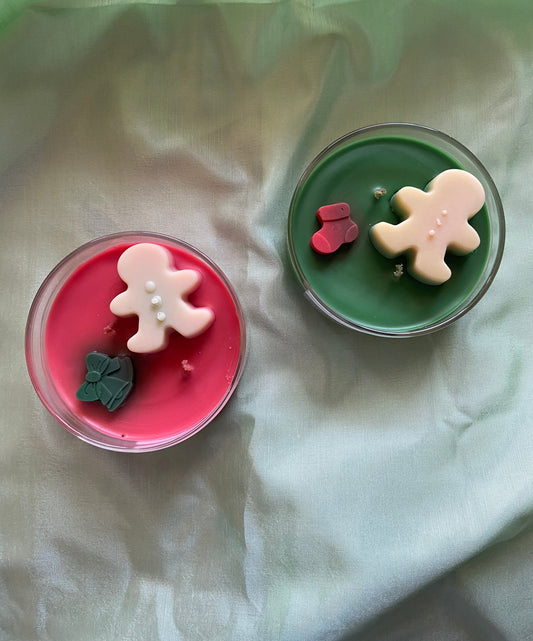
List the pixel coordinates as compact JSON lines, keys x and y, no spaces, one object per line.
{"x":354,"y":488}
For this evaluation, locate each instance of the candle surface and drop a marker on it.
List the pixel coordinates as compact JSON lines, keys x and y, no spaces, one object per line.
{"x":357,"y":282}
{"x":175,"y":388}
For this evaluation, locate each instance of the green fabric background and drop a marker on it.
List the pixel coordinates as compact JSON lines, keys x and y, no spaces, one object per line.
{"x":354,"y":488}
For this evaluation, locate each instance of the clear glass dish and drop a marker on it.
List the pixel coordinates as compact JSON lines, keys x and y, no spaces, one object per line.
{"x":177,"y":391}
{"x":357,"y":286}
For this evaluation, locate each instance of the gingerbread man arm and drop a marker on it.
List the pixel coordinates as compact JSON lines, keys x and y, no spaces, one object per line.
{"x":391,"y":240}
{"x":467,"y":240}
{"x":121,"y":305}
{"x":190,"y":321}
{"x":186,"y":280}
{"x":407,"y":199}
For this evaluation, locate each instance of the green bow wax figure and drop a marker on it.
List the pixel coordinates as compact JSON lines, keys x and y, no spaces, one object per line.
{"x":108,"y":380}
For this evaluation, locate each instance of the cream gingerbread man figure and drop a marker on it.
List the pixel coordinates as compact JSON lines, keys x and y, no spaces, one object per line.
{"x":156,"y":294}
{"x":435,"y":220}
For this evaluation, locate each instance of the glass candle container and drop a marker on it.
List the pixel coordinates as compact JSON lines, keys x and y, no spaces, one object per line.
{"x":176,"y":391}
{"x":356,"y":285}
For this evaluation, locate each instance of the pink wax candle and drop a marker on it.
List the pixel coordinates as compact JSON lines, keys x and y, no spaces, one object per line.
{"x":177,"y":390}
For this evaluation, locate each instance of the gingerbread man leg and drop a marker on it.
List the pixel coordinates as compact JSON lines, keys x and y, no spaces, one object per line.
{"x":425,"y":268}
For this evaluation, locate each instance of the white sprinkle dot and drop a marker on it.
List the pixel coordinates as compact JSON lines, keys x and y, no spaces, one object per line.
{"x":161,"y":316}
{"x":156,"y":301}
{"x":149,"y":286}
{"x":439,"y":222}
{"x":431,"y":233}
{"x":444,"y":212}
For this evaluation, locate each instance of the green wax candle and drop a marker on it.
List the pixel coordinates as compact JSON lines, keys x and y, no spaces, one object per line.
{"x":356,"y":282}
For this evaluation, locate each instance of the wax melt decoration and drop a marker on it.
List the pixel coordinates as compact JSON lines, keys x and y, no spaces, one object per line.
{"x":156,"y":294}
{"x":108,"y":380}
{"x":337,"y":228}
{"x":435,"y":220}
